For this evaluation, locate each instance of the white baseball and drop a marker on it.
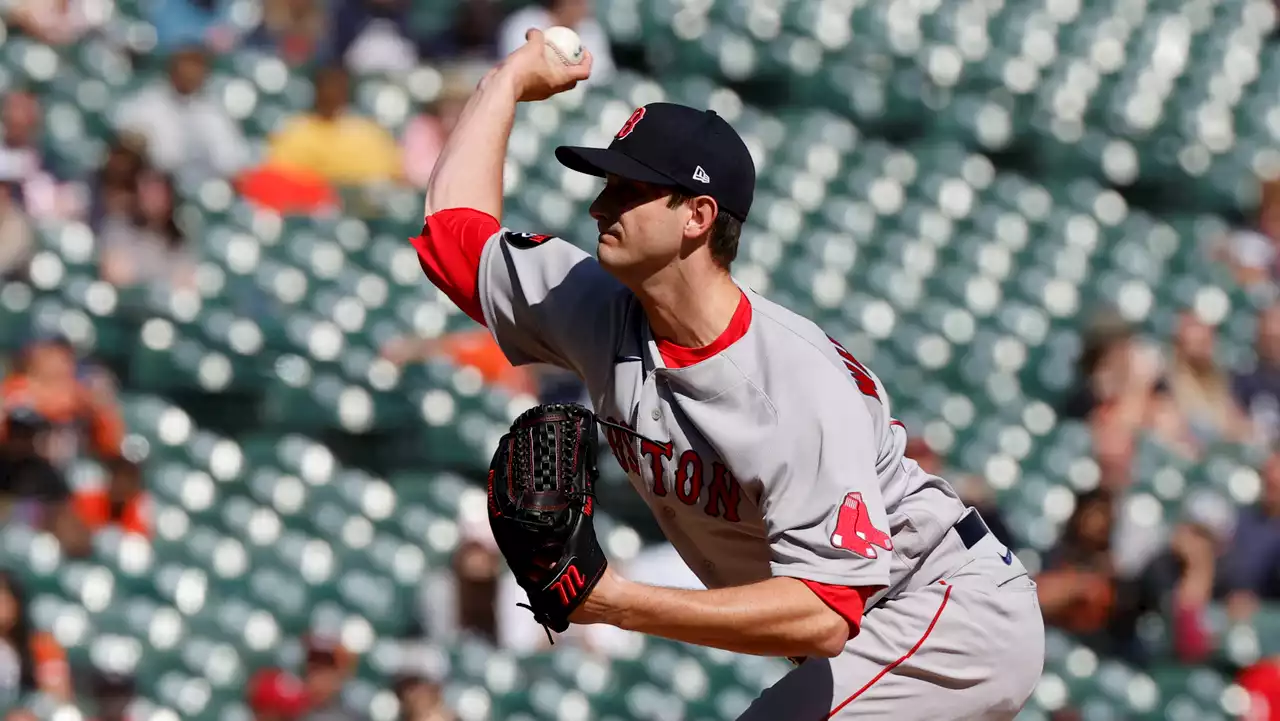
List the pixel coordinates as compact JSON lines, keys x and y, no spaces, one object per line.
{"x":563,"y":45}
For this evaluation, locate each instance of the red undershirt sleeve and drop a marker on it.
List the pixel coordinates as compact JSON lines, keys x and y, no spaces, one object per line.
{"x":449,"y":251}
{"x":847,"y":601}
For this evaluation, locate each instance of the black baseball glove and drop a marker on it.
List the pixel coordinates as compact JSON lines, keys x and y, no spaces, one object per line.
{"x":541,"y":503}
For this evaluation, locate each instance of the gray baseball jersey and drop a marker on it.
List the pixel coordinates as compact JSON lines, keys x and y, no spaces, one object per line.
{"x":772,"y":452}
{"x":777,"y":456}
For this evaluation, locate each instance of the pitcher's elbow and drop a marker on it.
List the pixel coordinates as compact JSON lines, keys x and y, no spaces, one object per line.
{"x":830,"y":636}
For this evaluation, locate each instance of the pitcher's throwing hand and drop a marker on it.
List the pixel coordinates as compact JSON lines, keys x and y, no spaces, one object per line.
{"x":536,"y":77}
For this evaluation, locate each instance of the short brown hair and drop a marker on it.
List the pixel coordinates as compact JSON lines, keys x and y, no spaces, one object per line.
{"x":725,"y":231}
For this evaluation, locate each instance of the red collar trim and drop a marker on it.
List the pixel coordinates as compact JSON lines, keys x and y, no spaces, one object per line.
{"x":678,"y":356}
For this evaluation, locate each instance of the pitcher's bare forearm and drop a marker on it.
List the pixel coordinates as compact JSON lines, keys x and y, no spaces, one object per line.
{"x":774,"y":617}
{"x":468,"y":173}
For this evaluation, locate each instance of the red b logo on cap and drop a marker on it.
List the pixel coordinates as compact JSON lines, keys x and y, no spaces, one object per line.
{"x":630,"y":125}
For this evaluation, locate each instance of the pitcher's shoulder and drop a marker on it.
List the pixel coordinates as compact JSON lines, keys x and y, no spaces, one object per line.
{"x":794,"y":338}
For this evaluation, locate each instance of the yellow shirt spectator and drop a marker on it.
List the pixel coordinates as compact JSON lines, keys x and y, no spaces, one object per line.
{"x":347,"y":150}
{"x":342,"y":147}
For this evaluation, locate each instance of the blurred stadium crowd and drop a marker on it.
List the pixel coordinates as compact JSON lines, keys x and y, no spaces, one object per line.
{"x":241,"y":439}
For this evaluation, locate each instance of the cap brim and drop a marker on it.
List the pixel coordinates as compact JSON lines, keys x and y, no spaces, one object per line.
{"x":602,"y":162}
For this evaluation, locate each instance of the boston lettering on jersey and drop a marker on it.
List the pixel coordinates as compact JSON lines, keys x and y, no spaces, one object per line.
{"x":723,"y":492}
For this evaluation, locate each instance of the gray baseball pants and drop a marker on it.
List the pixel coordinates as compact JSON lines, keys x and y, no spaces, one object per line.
{"x":963,"y":640}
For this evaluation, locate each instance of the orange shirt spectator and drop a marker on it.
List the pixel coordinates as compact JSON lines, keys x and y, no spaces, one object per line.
{"x":41,"y":662}
{"x":475,"y":348}
{"x":288,"y":191}
{"x":122,"y":503}
{"x":53,"y":673}
{"x":45,"y":383}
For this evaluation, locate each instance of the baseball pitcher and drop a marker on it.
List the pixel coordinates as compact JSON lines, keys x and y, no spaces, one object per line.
{"x":766,"y":451}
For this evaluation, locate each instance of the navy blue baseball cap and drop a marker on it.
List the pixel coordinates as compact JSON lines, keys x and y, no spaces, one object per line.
{"x":667,"y":144}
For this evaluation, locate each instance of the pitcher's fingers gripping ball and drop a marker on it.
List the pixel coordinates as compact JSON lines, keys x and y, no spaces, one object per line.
{"x":563,"y":45}
{"x":541,"y":504}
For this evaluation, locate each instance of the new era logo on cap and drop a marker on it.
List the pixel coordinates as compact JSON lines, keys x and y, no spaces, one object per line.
{"x":701,"y":176}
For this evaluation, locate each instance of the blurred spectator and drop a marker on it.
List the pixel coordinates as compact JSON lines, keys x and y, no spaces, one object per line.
{"x":289,"y":191}
{"x":32,"y":489}
{"x":147,"y":247}
{"x":425,"y":134}
{"x":475,"y":348}
{"x":1181,"y":579}
{"x":123,"y":503}
{"x":1120,"y":375}
{"x":1251,"y":253}
{"x":276,"y":695}
{"x":973,"y":491}
{"x":113,"y":695}
{"x":1262,"y":682}
{"x":464,"y":600}
{"x":421,"y":699}
{"x":59,"y":22}
{"x":189,"y":135}
{"x":1257,"y":390}
{"x":334,"y":142}
{"x":1077,"y":590}
{"x":1197,"y":543}
{"x":477,"y":596}
{"x":53,"y":412}
{"x":21,"y":148}
{"x":472,"y":36}
{"x":1200,"y":389}
{"x":576,"y":14}
{"x":30,"y":661}
{"x":1114,"y":449}
{"x":1251,"y":566}
{"x":78,"y":405}
{"x":295,"y":31}
{"x":17,"y":241}
{"x":20,"y":714}
{"x":328,"y":666}
{"x":1134,"y":542}
{"x":476,"y":566}
{"x":188,"y":23}
{"x":115,"y":188}
{"x":25,"y":163}
{"x":374,"y":36}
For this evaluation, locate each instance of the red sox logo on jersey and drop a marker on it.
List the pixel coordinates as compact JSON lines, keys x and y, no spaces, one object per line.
{"x":854,"y":531}
{"x":630,"y":125}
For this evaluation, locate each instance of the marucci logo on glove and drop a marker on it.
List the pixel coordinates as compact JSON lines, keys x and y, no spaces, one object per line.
{"x":569,"y":585}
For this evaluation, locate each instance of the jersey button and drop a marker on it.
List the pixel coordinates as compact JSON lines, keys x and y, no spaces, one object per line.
{"x":668,"y":511}
{"x":709,"y":565}
{"x":657,"y":414}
